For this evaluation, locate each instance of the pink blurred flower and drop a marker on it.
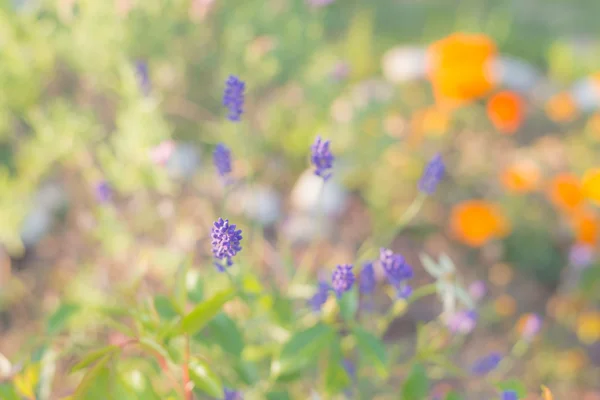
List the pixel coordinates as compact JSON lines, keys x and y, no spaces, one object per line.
{"x":477,"y":290}
{"x":462,"y":322}
{"x":581,"y":256}
{"x":160,"y":154}
{"x":530,"y":325}
{"x":319,"y":3}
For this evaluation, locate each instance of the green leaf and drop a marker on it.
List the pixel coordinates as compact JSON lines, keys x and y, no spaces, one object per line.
{"x":349,"y":304}
{"x":416,"y":386}
{"x":58,"y":320}
{"x":224,"y":332}
{"x":165,"y":308}
{"x":453,"y":396}
{"x":336,"y":377}
{"x":94,"y":356}
{"x":278,"y":396}
{"x":180,"y":293}
{"x":247,"y":371}
{"x":513,"y":384}
{"x":7,"y":392}
{"x":205,"y":311}
{"x":95,"y":375}
{"x":302,"y":348}
{"x":372,"y":349}
{"x":205,"y":380}
{"x":154,"y":347}
{"x":195,"y":287}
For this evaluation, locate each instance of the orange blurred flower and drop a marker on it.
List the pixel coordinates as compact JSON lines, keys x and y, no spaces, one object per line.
{"x":475,"y":222}
{"x":458,"y":66}
{"x":586,"y":225}
{"x":505,"y":110}
{"x":561,"y":108}
{"x":521,"y":177}
{"x":591,"y":185}
{"x":546,"y":394}
{"x":565,"y":192}
{"x":432,"y":120}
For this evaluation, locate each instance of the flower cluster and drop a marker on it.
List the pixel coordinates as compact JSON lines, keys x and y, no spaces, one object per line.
{"x":222,"y":160}
{"x":321,"y":158}
{"x":396,"y":270}
{"x":225,"y":242}
{"x":342,"y":279}
{"x":233,"y":98}
{"x":433,"y":174}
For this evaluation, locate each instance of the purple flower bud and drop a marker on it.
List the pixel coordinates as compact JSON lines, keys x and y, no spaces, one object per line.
{"x":103,"y":192}
{"x":433,"y":174}
{"x":232,"y":395}
{"x":143,"y":76}
{"x":367,"y":279}
{"x":322,"y":158}
{"x":395,"y":267}
{"x":342,"y":279}
{"x":233,"y":98}
{"x":486,"y":364}
{"x":532,"y":323}
{"x":320,"y":297}
{"x":509,"y":395}
{"x":225,"y":242}
{"x":222,"y":160}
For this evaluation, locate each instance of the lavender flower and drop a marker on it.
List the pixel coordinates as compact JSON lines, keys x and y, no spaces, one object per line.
{"x":232,"y":395}
{"x":342,"y":279}
{"x":531,"y":326}
{"x":103,"y":192}
{"x":486,"y":364}
{"x":225,"y":242}
{"x":433,"y":174}
{"x":477,"y":290}
{"x":462,"y":322}
{"x":395,"y":267}
{"x":233,"y":97}
{"x":322,"y":158}
{"x":143,"y":76}
{"x":222,"y":160}
{"x":320,"y":298}
{"x":367,"y":279}
{"x":509,"y":395}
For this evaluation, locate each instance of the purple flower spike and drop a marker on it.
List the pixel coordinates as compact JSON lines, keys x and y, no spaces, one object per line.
{"x":143,"y":76}
{"x":222,"y":160}
{"x":322,"y":158}
{"x":486,"y":364}
{"x":395,"y":267}
{"x":233,"y":97}
{"x":232,"y":395}
{"x":367,"y":279}
{"x":103,"y":192}
{"x":509,"y":395}
{"x":433,"y":174}
{"x":320,"y":298}
{"x":225,"y":242}
{"x":342,"y":279}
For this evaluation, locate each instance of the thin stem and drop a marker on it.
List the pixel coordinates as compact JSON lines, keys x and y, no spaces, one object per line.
{"x":187,"y":387}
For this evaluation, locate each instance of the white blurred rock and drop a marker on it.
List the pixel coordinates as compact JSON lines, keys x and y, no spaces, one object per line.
{"x":47,"y":203}
{"x":514,"y":73}
{"x":311,"y":197}
{"x":403,"y":64}
{"x":258,"y":203}
{"x":586,"y":94}
{"x":184,"y":162}
{"x":304,"y":228}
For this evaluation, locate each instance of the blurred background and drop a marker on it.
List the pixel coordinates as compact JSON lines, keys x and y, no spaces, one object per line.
{"x":110,"y":111}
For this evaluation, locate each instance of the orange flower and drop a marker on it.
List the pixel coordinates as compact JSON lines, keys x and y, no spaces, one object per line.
{"x":561,"y":108}
{"x":586,"y":226}
{"x":565,"y":192}
{"x":591,"y":185}
{"x":433,"y":120}
{"x":475,"y":222}
{"x":546,"y":393}
{"x":458,"y":67}
{"x":521,"y":177}
{"x":505,"y":110}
